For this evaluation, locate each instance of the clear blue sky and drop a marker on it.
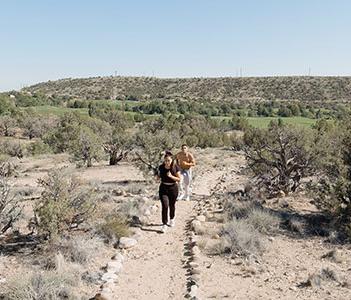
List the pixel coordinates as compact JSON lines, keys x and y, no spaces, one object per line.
{"x":46,"y":40}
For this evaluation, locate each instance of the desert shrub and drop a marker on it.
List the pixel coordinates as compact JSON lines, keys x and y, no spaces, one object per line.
{"x":151,"y":141}
{"x":295,"y":224}
{"x":332,"y":192}
{"x":38,"y":147}
{"x":110,"y":114}
{"x":239,"y":209}
{"x":242,"y":238}
{"x":280,"y":156}
{"x":135,"y":188}
{"x":234,"y":141}
{"x":33,"y":125}
{"x":131,"y":208}
{"x":114,"y":228}
{"x":6,"y":104}
{"x":86,"y":146}
{"x":65,"y":203}
{"x":263,"y":220}
{"x":7,"y":125}
{"x":239,"y":123}
{"x":44,"y":285}
{"x":117,"y":145}
{"x":12,"y":148}
{"x":10,"y":207}
{"x":60,"y":138}
{"x":77,"y":249}
{"x":316,"y":279}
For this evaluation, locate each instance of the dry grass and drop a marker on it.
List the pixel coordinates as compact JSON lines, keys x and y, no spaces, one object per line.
{"x":135,"y":188}
{"x":295,"y":224}
{"x":316,"y":280}
{"x":131,"y":208}
{"x":242,"y":238}
{"x":45,"y":285}
{"x":79,"y":249}
{"x":263,"y":220}
{"x":237,"y":210}
{"x":114,"y":228}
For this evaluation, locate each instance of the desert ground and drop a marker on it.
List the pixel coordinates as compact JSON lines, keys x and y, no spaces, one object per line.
{"x":299,"y":260}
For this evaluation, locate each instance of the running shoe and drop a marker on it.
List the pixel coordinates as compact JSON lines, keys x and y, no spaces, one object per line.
{"x":164,"y":228}
{"x":172,"y":223}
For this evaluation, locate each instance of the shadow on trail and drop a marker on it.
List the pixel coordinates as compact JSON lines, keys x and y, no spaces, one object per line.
{"x":149,"y":228}
{"x":20,"y":244}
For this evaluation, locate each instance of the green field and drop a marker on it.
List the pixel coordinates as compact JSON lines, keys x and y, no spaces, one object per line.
{"x":263,"y":122}
{"x":260,"y":122}
{"x":55,"y":110}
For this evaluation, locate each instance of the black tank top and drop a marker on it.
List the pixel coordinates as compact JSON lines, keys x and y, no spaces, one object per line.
{"x":162,"y":172}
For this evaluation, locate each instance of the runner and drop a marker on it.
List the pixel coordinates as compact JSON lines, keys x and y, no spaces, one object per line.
{"x":169,"y":173}
{"x":185,"y":161}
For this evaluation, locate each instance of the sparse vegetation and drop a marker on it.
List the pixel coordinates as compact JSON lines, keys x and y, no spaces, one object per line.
{"x":263,"y":220}
{"x":280,"y":156}
{"x":242,"y":238}
{"x":64,"y":203}
{"x":114,"y":227}
{"x":144,"y":88}
{"x":10,"y":207}
{"x":44,"y":285}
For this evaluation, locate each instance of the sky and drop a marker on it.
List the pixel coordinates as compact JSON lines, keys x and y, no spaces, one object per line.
{"x":43,"y":40}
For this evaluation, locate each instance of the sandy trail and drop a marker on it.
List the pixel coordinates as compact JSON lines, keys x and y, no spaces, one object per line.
{"x":155,"y":268}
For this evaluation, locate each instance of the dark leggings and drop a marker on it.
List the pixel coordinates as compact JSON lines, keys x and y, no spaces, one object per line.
{"x":168,"y":196}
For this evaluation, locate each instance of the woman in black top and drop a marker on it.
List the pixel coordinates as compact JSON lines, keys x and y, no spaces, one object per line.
{"x":169,"y":173}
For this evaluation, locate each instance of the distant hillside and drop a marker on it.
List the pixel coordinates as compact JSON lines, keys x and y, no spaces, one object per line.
{"x":303,"y":88}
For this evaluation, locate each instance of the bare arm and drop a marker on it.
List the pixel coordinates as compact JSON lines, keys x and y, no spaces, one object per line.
{"x":175,"y":178}
{"x":192,"y":161}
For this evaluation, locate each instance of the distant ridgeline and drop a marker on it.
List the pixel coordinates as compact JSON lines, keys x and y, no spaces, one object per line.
{"x":301,"y":88}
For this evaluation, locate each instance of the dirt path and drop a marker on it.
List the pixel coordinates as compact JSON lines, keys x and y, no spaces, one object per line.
{"x":155,"y":268}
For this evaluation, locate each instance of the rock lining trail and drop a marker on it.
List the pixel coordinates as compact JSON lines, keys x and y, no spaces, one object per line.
{"x":156,"y":267}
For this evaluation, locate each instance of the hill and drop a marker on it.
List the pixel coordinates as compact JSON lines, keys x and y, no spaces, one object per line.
{"x":302,"y":88}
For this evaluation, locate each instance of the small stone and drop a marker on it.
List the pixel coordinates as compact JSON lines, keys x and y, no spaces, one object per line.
{"x":195,"y":259}
{"x":193,"y":264}
{"x":271,"y":239}
{"x":195,"y":278}
{"x":145,"y":199}
{"x":195,"y":271}
{"x":236,"y":262}
{"x":106,"y":290}
{"x":118,"y":256}
{"x":105,"y":296}
{"x":193,"y":290}
{"x":117,"y":192}
{"x":125,"y":242}
{"x":147,"y":213}
{"x":208,"y":215}
{"x":195,"y":223}
{"x":196,"y":250}
{"x":109,"y":277}
{"x":114,"y":266}
{"x":201,"y":218}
